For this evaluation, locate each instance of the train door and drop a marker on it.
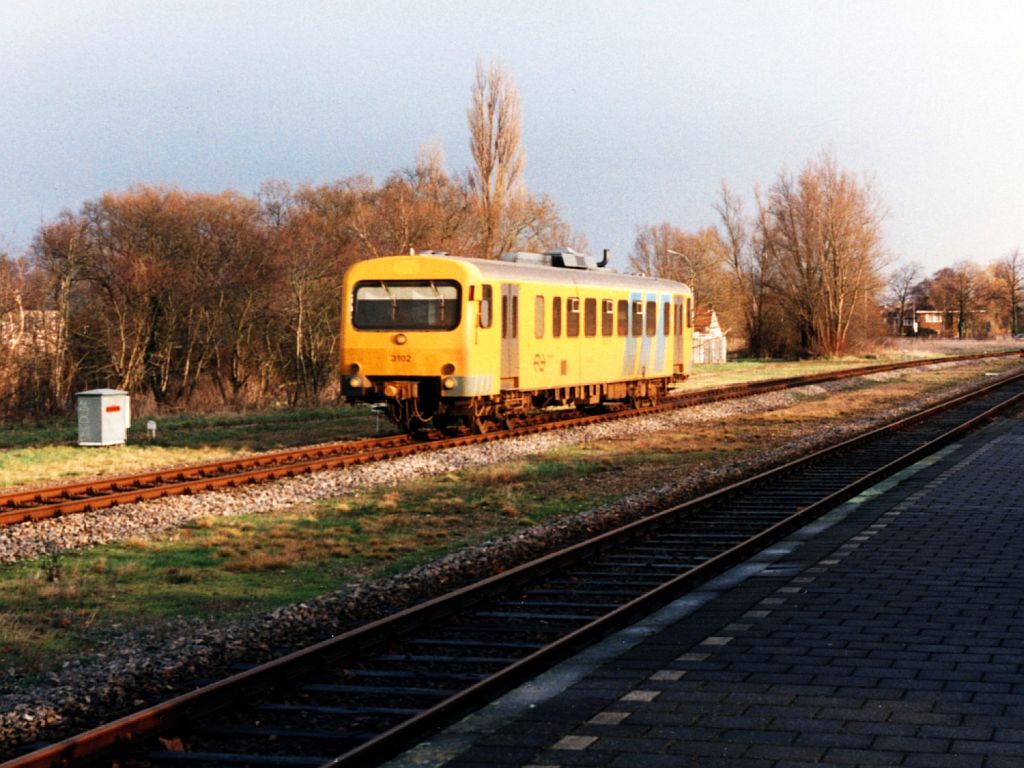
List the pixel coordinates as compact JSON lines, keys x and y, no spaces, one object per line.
{"x":509,"y":336}
{"x":678,"y":335}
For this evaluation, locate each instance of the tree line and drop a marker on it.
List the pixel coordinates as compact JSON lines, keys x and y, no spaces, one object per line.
{"x":975,"y":300}
{"x":806,"y":272}
{"x":189,"y":299}
{"x":198,"y":300}
{"x":799,"y":275}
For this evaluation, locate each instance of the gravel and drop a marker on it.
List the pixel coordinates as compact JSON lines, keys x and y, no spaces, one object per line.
{"x":141,"y":667}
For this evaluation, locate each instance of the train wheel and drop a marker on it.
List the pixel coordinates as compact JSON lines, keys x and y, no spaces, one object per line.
{"x":478,"y":419}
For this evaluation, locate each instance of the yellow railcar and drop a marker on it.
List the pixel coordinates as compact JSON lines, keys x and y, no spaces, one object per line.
{"x":451,"y":342}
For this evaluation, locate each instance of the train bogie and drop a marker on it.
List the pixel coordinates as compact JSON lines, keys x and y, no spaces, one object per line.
{"x":450,"y":342}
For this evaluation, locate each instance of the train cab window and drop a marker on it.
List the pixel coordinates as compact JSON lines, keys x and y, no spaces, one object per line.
{"x":556,"y":316}
{"x":679,"y":318}
{"x":666,"y":328}
{"x":689,"y":312}
{"x":590,"y":317}
{"x":638,"y":319}
{"x":406,"y":305}
{"x":538,"y":317}
{"x":652,"y":318}
{"x":607,"y":316}
{"x":622,"y":311}
{"x":572,"y":316}
{"x":486,"y":306}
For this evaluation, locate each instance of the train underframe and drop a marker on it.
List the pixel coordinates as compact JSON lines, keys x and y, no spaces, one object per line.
{"x":421,"y":407}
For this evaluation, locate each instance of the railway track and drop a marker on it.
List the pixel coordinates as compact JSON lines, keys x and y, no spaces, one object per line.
{"x":365,"y":695}
{"x":39,"y":504}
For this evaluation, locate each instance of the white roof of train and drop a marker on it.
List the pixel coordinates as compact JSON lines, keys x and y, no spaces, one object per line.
{"x":523,"y":270}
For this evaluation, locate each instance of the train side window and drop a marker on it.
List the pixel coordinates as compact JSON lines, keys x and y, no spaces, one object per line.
{"x":504,"y":317}
{"x":607,"y":316}
{"x":572,"y":316}
{"x":590,"y":317}
{"x":689,"y":312}
{"x":623,"y":318}
{"x":556,"y":316}
{"x":538,"y":317}
{"x":679,"y":319}
{"x":514,"y":316}
{"x":667,"y":327}
{"x":652,"y":318}
{"x":638,"y":318}
{"x":486,"y":304}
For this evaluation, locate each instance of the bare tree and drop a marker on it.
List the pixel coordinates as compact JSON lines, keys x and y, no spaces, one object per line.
{"x":59,"y":253}
{"x":12,"y":330}
{"x":495,"y":141}
{"x":822,"y":230}
{"x":750,"y":264}
{"x":695,"y":259}
{"x":900,"y":286}
{"x":1008,"y":278}
{"x":959,"y":290}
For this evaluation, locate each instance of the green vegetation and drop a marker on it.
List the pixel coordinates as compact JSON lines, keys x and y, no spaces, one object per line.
{"x":232,"y":567}
{"x":747,"y":369}
{"x":257,"y":430}
{"x":49,"y":454}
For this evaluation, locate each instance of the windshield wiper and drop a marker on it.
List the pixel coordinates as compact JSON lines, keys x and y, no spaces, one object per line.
{"x":393,"y":298}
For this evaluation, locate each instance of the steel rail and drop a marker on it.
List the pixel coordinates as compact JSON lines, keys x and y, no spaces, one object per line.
{"x":106,"y":740}
{"x":197,"y":471}
{"x":39,"y":504}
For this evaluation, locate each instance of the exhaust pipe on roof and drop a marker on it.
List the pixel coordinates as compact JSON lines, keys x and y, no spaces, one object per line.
{"x":604,"y":258}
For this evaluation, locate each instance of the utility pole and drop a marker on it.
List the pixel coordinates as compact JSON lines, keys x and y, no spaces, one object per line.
{"x":693,"y":272}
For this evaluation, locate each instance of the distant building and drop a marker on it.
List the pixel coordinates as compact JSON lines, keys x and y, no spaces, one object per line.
{"x":709,"y":339}
{"x":943,"y":323}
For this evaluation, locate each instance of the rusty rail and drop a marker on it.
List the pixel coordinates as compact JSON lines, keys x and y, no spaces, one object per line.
{"x":42,"y":503}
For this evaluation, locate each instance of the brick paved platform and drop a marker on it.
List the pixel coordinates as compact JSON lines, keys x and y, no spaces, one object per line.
{"x":891,"y":633}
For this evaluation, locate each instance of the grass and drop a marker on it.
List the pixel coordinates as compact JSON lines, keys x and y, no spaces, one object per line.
{"x":48,"y":454}
{"x":226,"y":568}
{"x":897,"y":351}
{"x":233,"y":567}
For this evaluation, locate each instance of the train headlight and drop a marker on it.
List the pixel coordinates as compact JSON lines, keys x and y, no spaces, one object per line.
{"x":448,"y":369}
{"x":449,"y":383}
{"x":354,"y":369}
{"x":400,"y":339}
{"x":355,"y":382}
{"x":390,"y":390}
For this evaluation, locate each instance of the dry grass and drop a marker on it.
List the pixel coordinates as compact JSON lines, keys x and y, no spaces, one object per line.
{"x":66,"y":464}
{"x":13,"y":629}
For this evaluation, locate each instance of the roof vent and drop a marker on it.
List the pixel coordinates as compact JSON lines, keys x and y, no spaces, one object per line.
{"x":567,"y":259}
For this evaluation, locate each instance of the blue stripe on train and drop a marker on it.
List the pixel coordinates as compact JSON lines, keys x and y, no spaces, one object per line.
{"x":659,"y":355}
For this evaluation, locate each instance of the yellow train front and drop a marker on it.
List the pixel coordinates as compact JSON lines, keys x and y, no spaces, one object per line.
{"x":453,"y":343}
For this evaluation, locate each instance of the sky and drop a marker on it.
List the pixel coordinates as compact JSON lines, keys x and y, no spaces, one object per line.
{"x":633,"y":112}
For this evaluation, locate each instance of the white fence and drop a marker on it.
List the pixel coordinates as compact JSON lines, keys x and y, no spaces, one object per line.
{"x":709,"y":350}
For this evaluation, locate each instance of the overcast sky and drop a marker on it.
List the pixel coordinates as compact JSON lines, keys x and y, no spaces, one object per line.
{"x":633,"y":112}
